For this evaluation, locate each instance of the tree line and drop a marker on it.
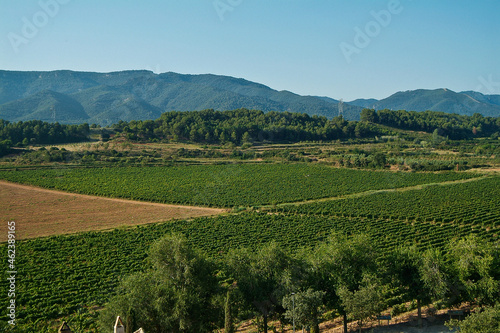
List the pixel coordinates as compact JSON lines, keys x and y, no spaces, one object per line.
{"x":185,"y":291}
{"x":23,"y":133}
{"x":244,"y":126}
{"x":453,"y":126}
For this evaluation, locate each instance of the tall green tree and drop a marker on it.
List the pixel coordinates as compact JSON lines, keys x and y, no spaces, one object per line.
{"x":174,"y":295}
{"x":341,"y":264}
{"x":420,"y":274}
{"x":365,"y":302}
{"x":304,"y":308}
{"x":263,"y":277}
{"x":369,"y":115}
{"x":475,"y":268}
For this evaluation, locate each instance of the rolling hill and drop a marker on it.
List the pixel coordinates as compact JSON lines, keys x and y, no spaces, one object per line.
{"x":445,"y":100}
{"x":106,"y":98}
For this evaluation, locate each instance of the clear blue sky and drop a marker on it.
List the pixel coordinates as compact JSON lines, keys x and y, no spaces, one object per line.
{"x":335,"y":48}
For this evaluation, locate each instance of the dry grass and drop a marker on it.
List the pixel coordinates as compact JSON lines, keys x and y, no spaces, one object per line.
{"x":40,"y":212}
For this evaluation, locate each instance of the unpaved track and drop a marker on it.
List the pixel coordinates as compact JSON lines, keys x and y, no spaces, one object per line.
{"x":370,"y":192}
{"x":40,"y":212}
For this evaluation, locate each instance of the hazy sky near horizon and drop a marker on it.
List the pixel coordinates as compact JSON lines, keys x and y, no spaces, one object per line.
{"x":342,"y":49}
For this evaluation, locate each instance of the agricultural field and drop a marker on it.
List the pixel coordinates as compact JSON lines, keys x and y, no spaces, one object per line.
{"x":473,"y":202}
{"x":87,"y":213}
{"x":66,"y":274}
{"x":72,"y":276}
{"x":43,"y":212}
{"x":224,"y":185}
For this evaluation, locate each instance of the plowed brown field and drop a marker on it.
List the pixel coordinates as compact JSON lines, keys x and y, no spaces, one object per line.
{"x":40,"y":212}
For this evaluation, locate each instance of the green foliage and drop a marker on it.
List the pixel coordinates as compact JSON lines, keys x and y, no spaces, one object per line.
{"x":339,"y":265}
{"x":39,"y":132}
{"x":228,"y":313}
{"x":173,"y":296}
{"x":223,"y":185}
{"x":475,"y":268}
{"x":486,"y":320}
{"x":419,"y":274}
{"x":244,"y":126}
{"x":305,"y":308}
{"x":5,"y":146}
{"x":263,"y":277}
{"x":365,"y":302}
{"x":441,"y":124}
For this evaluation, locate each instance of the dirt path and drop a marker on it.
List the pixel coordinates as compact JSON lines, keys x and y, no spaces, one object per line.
{"x":404,"y":323}
{"x":362,"y":194}
{"x":42,"y":212}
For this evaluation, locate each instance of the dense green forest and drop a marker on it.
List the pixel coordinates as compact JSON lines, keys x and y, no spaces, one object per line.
{"x":454,"y":126}
{"x":244,"y":126}
{"x":39,"y":132}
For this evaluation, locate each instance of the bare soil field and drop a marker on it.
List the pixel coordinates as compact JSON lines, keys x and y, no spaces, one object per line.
{"x":40,"y":212}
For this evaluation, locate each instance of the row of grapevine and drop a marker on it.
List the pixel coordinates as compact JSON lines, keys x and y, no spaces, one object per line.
{"x":473,"y":203}
{"x":224,"y":185}
{"x":60,"y":274}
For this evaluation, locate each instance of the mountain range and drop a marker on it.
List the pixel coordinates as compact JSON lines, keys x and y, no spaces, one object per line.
{"x":105,"y":98}
{"x":445,"y":100}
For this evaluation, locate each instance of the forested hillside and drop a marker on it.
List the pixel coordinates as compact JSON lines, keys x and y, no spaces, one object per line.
{"x":443,"y":100}
{"x":106,"y":98}
{"x":454,"y":126}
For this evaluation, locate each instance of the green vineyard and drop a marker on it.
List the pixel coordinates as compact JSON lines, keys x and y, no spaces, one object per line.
{"x":224,"y":185}
{"x":62,"y":274}
{"x":59,"y":276}
{"x":473,"y":204}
